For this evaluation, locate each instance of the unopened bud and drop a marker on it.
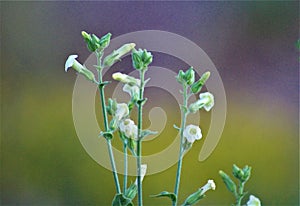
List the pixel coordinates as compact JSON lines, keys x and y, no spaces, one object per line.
{"x":197,"y":86}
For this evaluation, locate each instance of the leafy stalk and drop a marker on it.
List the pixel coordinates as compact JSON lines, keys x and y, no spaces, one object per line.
{"x":184,"y":113}
{"x":104,"y":112}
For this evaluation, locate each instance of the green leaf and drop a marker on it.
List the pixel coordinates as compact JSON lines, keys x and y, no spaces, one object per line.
{"x":121,"y":200}
{"x":147,"y":133}
{"x":176,"y":127}
{"x":170,"y":195}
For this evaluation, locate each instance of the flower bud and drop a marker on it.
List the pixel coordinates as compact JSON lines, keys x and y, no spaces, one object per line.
{"x":89,"y":41}
{"x":126,"y":79}
{"x":197,"y":86}
{"x":180,"y":77}
{"x":247,"y":173}
{"x":141,"y":59}
{"x":73,"y":63}
{"x":228,"y":182}
{"x":190,"y":76}
{"x":237,"y":172}
{"x":117,"y":54}
{"x":131,"y":191}
{"x":105,"y":40}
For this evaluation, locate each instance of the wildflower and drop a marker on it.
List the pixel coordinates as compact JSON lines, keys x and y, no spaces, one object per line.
{"x":253,"y":201}
{"x":122,"y":111}
{"x":129,"y":129}
{"x":192,"y":133}
{"x":210,"y":185}
{"x":206,"y":101}
{"x":73,"y":63}
{"x":133,"y":91}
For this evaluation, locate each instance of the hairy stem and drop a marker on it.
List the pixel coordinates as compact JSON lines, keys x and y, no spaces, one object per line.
{"x":104,"y":112}
{"x":240,"y":194}
{"x":181,"y":150}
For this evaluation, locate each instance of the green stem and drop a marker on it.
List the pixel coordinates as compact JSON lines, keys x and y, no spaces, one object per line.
{"x":240,"y":193}
{"x":125,"y":168}
{"x":184,"y":113}
{"x":104,"y":112}
{"x":139,"y":141}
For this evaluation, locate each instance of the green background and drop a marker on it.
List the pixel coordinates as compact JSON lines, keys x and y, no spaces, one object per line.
{"x":251,"y":44}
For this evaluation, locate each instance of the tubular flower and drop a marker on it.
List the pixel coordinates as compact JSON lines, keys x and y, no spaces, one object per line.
{"x":122,"y":111}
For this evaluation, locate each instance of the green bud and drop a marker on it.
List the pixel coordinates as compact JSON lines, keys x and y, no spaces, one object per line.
{"x":194,"y":198}
{"x":105,"y":40}
{"x":126,"y":79}
{"x":141,"y":58}
{"x":113,"y":124}
{"x":116,"y":55}
{"x":190,"y":76}
{"x":89,"y":41}
{"x":197,"y":86}
{"x":180,"y":77}
{"x":228,"y":182}
{"x":237,"y":172}
{"x":247,"y":173}
{"x":73,"y":63}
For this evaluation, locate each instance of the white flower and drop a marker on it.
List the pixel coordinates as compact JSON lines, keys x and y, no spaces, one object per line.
{"x":207,"y":99}
{"x":143,"y":172}
{"x":122,"y":111}
{"x":192,"y":133}
{"x":128,"y":127}
{"x":133,"y":91}
{"x":117,"y":54}
{"x":253,"y":201}
{"x":210,"y":185}
{"x":73,"y":63}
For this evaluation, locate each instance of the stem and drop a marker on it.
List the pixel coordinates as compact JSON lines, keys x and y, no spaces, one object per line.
{"x":125,"y":168}
{"x":184,"y":113}
{"x":239,"y":196}
{"x":139,"y":143}
{"x":104,"y":112}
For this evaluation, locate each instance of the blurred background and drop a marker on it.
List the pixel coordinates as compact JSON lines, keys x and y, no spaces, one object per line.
{"x":253,"y":47}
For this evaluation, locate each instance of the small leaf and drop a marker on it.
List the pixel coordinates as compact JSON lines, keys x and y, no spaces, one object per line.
{"x":103,"y":84}
{"x":141,"y":101}
{"x":147,"y":133}
{"x":176,"y":127}
{"x":170,"y":195}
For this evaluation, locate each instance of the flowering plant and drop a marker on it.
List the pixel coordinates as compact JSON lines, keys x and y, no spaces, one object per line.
{"x":131,"y":134}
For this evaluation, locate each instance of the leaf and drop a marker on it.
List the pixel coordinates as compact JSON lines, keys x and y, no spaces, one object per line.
{"x":147,"y":133}
{"x":176,"y":127}
{"x":121,"y":200}
{"x":170,"y":195}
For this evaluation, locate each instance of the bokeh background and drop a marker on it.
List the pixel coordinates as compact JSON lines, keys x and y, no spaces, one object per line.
{"x":251,"y":43}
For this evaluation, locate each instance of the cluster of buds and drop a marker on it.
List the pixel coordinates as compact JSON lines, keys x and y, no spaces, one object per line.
{"x":241,"y":174}
{"x":95,"y":43}
{"x":141,"y":58}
